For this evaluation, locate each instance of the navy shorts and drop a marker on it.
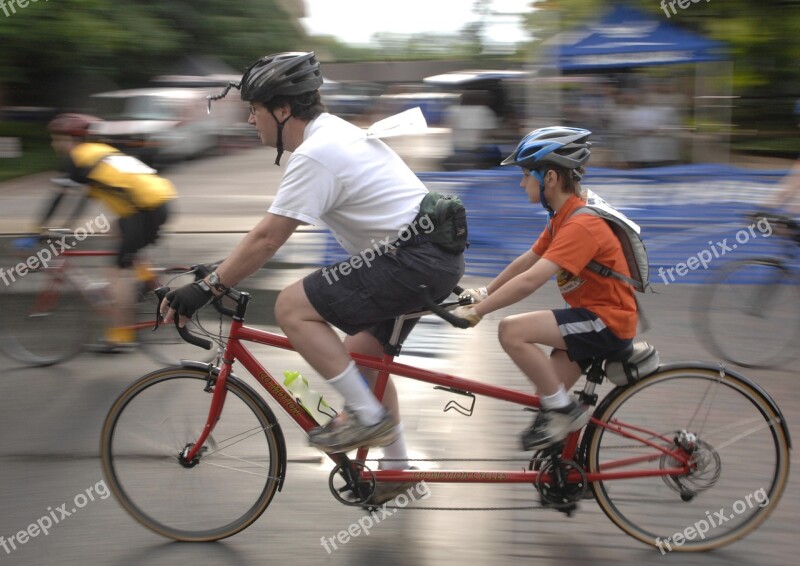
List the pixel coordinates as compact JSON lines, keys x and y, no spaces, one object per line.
{"x":355,"y":295}
{"x":587,"y":336}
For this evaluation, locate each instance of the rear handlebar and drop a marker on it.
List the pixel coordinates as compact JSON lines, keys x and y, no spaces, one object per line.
{"x":441,"y":311}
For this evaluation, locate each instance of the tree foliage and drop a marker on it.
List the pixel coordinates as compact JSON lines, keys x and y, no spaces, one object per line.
{"x":50,"y":45}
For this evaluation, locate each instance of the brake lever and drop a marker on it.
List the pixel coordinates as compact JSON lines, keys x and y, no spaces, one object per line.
{"x":161,"y":292}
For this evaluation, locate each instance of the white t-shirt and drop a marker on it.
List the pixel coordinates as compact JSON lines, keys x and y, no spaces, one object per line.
{"x":355,"y":185}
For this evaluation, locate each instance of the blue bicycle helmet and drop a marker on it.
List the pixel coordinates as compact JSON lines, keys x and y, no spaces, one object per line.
{"x":555,"y":145}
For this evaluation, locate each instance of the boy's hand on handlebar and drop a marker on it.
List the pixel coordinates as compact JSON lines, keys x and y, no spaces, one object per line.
{"x":467,"y":313}
{"x":185,"y":301}
{"x":475,"y":296}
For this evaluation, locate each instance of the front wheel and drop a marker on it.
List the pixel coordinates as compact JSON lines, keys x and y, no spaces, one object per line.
{"x":719,"y":428}
{"x":45,"y":318}
{"x":238,"y":470}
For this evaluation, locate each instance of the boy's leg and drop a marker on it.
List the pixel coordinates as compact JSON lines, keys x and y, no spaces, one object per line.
{"x":559,"y":414}
{"x":519,"y":336}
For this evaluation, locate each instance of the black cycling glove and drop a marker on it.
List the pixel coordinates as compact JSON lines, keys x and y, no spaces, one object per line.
{"x":189,"y":299}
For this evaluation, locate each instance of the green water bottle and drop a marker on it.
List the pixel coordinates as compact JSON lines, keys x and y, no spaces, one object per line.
{"x":307,"y":398}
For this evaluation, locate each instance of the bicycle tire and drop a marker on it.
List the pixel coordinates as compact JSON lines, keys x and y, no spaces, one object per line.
{"x":164,"y":345}
{"x":152,"y":421}
{"x":748,"y":313}
{"x":44,"y":319}
{"x":746,"y":439}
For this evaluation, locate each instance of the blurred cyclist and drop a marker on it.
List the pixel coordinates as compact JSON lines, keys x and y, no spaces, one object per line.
{"x":603,"y":316}
{"x":132,"y":191}
{"x":358,"y":187}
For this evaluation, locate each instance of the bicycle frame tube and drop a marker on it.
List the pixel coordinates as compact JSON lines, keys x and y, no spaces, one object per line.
{"x":236,"y":350}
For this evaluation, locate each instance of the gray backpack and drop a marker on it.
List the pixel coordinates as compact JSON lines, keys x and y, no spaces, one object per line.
{"x":627,"y":232}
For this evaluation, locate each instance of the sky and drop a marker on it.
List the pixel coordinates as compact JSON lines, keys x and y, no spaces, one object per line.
{"x":355,"y":21}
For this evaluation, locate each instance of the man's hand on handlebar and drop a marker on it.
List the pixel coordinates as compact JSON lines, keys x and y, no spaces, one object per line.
{"x":185,"y":301}
{"x":467,"y":313}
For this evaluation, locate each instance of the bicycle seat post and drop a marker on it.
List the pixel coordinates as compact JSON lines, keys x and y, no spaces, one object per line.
{"x":594,"y":376}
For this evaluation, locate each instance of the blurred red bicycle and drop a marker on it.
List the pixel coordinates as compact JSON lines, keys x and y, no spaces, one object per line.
{"x":48,"y":312}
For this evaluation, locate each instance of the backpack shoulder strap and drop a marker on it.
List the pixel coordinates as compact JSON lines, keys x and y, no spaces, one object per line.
{"x":598,"y":267}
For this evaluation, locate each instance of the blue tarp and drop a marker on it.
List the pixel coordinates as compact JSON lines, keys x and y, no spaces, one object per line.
{"x":626,"y":38}
{"x":682,"y":211}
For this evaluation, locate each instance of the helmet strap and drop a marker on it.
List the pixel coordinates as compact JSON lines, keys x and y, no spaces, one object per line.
{"x":279,"y":145}
{"x":542,"y":199}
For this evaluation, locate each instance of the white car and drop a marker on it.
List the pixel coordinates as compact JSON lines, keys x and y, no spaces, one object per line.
{"x":163,"y":125}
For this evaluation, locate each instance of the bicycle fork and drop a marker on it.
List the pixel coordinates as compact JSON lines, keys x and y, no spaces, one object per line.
{"x":189,"y":457}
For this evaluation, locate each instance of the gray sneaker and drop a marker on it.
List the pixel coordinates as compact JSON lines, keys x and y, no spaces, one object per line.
{"x":346,"y":432}
{"x":554,"y":425}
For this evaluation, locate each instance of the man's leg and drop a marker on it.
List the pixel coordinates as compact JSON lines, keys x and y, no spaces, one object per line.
{"x":397,"y":451}
{"x":314,"y":339}
{"x":310,"y":334}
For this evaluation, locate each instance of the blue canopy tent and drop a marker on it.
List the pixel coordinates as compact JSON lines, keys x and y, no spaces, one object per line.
{"x":626,"y":38}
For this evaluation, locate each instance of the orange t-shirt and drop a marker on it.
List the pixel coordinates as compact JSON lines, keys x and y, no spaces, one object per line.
{"x":572,"y":244}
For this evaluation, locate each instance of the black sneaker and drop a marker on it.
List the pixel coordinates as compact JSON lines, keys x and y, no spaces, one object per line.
{"x":554,"y":425}
{"x":108,"y":347}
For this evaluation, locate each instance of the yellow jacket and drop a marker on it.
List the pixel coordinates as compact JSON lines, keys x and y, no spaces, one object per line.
{"x":121,"y":182}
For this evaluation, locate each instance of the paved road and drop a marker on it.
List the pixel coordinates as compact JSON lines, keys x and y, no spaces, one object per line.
{"x":50,"y":421}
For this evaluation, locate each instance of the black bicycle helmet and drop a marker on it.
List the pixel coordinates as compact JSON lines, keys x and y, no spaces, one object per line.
{"x":285,"y":74}
{"x":279,"y":74}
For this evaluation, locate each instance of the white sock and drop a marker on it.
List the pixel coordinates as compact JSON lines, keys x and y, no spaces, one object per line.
{"x":357,"y":395}
{"x":557,"y":400}
{"x":396,"y":451}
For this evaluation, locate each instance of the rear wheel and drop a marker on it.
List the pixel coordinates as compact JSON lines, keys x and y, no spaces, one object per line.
{"x":45,"y":320}
{"x":237,"y":471}
{"x":731,"y":436}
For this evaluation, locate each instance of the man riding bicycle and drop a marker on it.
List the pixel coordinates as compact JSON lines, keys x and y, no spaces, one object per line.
{"x":132,"y":191}
{"x":358,"y":187}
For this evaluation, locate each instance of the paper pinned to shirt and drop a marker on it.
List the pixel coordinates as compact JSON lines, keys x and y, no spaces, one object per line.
{"x":408,"y":122}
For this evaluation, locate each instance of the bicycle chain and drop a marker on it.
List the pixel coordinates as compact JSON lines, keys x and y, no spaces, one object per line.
{"x":529,"y":461}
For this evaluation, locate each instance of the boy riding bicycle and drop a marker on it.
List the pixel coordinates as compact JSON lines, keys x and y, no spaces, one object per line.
{"x":132,"y":191}
{"x":603,"y":314}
